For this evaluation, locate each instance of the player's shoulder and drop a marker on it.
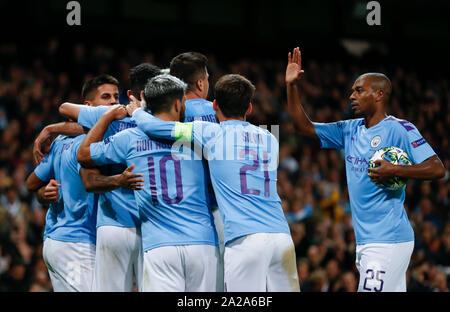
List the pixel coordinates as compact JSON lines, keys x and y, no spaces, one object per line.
{"x":346,"y":125}
{"x":199,"y":101}
{"x":260,"y":129}
{"x":204,"y":125}
{"x":400,"y":125}
{"x":76,"y":141}
{"x":355,"y":122}
{"x":135,"y":132}
{"x":58,"y":143}
{"x":129,"y":133}
{"x":199,"y":107}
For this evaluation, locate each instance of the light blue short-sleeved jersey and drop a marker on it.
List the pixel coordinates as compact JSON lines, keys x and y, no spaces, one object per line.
{"x":118,"y":207}
{"x":378,"y":214}
{"x":173,"y":204}
{"x":46,"y":171}
{"x":243,"y":161}
{"x":199,"y":109}
{"x":78,"y":222}
{"x":74,"y":220}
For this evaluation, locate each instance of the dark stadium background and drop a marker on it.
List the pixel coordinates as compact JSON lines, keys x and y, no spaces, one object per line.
{"x":44,"y":62}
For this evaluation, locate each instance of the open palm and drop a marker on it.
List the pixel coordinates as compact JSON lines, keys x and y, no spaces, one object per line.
{"x":294,"y":68}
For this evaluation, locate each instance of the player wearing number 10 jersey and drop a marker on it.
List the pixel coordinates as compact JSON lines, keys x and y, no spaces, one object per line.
{"x":179,"y":239}
{"x":259,"y":252}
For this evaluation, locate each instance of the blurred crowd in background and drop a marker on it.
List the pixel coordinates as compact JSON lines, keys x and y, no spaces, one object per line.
{"x":311,"y":181}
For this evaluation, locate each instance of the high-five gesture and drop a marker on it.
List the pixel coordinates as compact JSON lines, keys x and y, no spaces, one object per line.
{"x":294,"y":68}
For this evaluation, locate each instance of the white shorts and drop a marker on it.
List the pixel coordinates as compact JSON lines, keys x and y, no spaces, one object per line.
{"x":188,"y":268}
{"x":382,"y":267}
{"x":219,"y":228}
{"x":70,"y":265}
{"x":119,"y":259}
{"x":261,"y":262}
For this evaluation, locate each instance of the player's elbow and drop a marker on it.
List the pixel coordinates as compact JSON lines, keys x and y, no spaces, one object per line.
{"x":437,"y":168}
{"x":83,"y":157}
{"x":29,"y":185}
{"x":307,"y":130}
{"x":33,"y":183}
{"x":63,"y":109}
{"x":440,"y":172}
{"x":66,"y":111}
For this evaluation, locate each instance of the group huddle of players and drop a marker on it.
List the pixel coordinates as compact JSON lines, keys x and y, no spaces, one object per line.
{"x":175,"y":193}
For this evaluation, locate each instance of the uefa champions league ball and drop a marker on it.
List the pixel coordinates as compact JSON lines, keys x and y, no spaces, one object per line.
{"x":395,"y":156}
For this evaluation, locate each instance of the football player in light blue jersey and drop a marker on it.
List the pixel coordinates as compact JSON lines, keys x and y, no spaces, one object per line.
{"x":243,"y":159}
{"x":47,"y":194}
{"x":191,"y":67}
{"x":119,"y":259}
{"x":384,"y":236}
{"x":179,"y":238}
{"x":69,"y":241}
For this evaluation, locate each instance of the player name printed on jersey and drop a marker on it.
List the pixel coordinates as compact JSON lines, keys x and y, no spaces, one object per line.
{"x":147,"y":145}
{"x":122,"y":125}
{"x":209,"y":117}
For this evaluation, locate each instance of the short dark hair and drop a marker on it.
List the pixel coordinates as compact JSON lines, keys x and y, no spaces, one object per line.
{"x":233,"y":94}
{"x":189,"y":67}
{"x":140,"y":75}
{"x":94,"y":83}
{"x":161,"y":91}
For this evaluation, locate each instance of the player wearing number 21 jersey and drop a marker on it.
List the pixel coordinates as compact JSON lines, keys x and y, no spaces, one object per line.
{"x":242,"y":158}
{"x":179,"y":239}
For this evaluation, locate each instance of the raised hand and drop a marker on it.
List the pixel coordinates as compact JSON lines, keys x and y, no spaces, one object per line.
{"x":294,"y":68}
{"x":131,"y":180}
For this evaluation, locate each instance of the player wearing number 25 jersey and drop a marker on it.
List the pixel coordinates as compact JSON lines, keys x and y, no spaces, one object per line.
{"x":384,"y":236}
{"x":242,"y":158}
{"x":179,"y":239}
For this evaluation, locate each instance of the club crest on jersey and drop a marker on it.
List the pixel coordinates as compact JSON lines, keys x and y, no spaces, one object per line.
{"x":376,"y":141}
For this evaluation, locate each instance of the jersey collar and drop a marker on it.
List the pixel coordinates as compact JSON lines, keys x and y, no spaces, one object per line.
{"x":235,"y":122}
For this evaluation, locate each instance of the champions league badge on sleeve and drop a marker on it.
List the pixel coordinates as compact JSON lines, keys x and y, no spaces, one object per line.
{"x":376,"y":141}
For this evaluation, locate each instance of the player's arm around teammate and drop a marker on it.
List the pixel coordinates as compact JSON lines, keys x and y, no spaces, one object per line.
{"x":97,"y":132}
{"x":68,"y":128}
{"x":46,"y":194}
{"x":94,"y":182}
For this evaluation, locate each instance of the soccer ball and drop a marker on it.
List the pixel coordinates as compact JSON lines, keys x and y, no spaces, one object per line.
{"x":395,"y":156}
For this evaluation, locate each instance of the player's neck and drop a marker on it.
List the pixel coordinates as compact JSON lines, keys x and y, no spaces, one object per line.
{"x":372,"y":120}
{"x":166,"y":116}
{"x":222,"y":118}
{"x":191,"y":95}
